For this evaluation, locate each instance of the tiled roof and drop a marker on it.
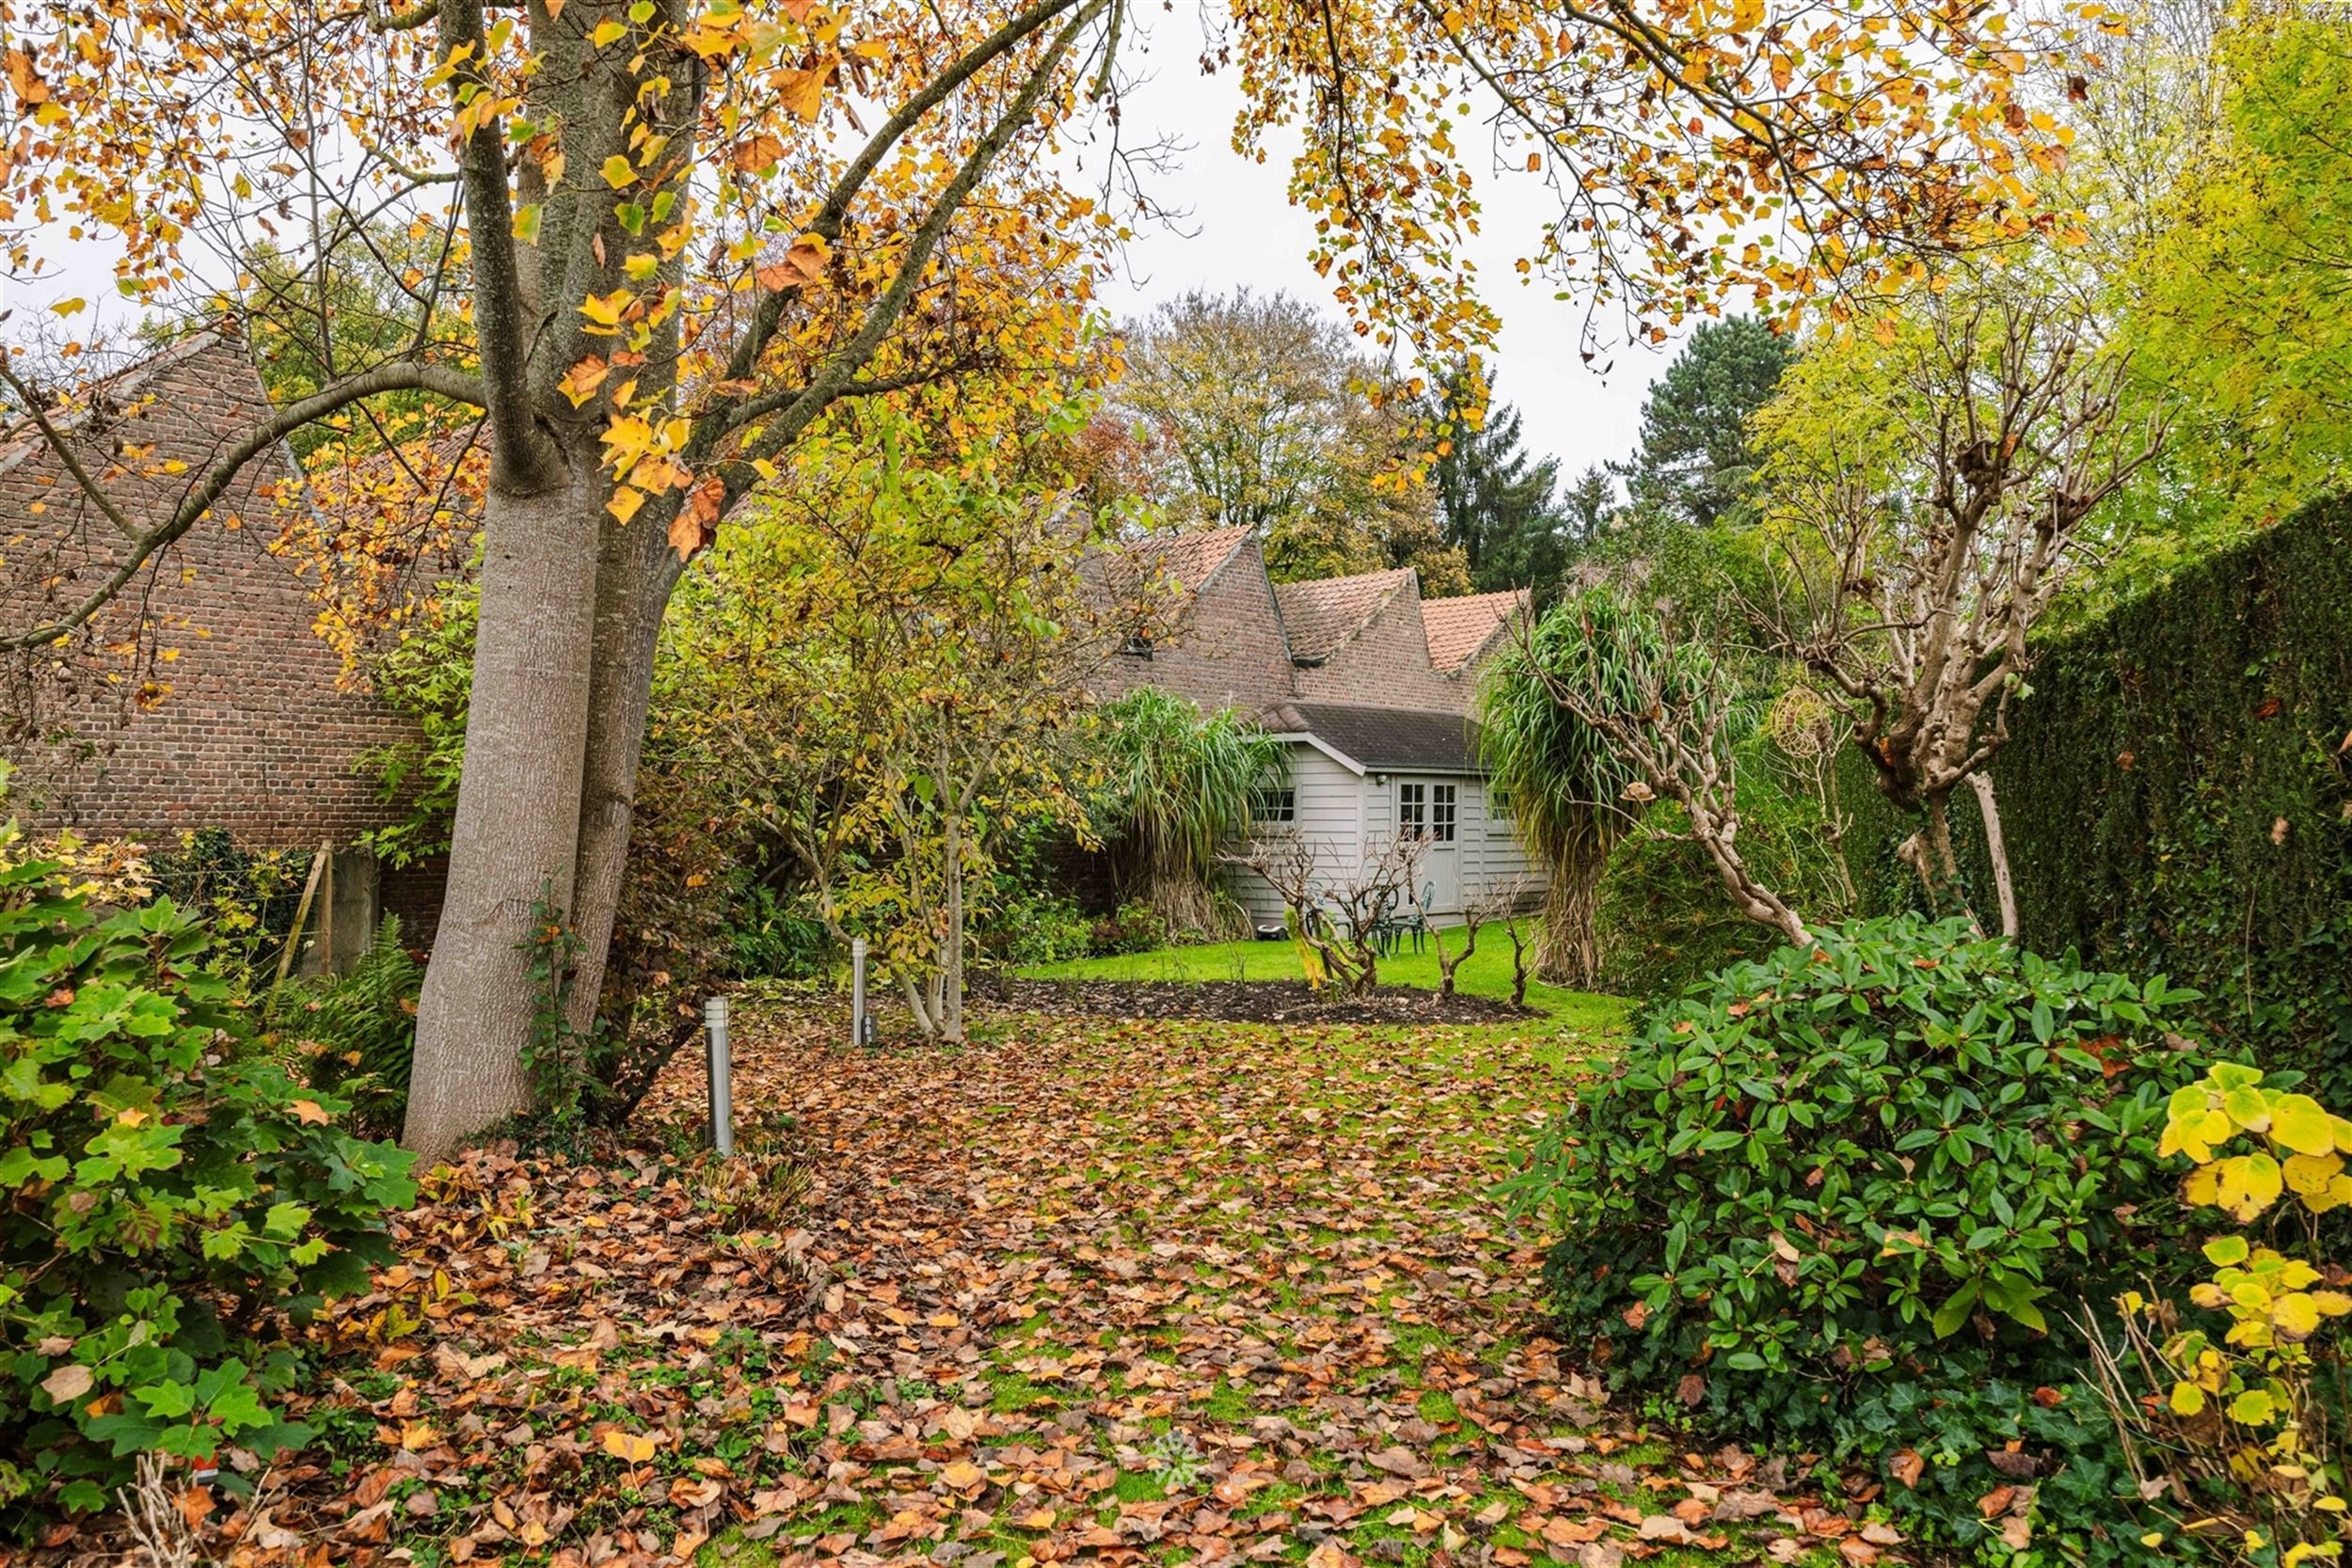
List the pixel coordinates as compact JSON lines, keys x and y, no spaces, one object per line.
{"x":1320,"y":616}
{"x":1189,"y":560}
{"x":22,"y":437}
{"x":1457,"y":629}
{"x":1384,"y":739}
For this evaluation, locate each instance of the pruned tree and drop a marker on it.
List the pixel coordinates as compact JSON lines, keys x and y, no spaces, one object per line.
{"x":1662,"y":705}
{"x":1510,"y":902}
{"x":1490,"y":902}
{"x":1337,"y":911}
{"x":1928,"y":505}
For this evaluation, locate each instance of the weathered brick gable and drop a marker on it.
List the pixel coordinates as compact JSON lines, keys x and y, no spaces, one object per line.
{"x":253,"y":733}
{"x":1386,"y":664}
{"x":1227,"y":648}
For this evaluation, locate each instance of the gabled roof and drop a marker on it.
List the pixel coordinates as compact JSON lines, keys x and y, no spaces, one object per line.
{"x":1458,"y":629}
{"x":1384,"y":739}
{"x":21,"y":437}
{"x":1320,"y":617}
{"x":1188,"y":561}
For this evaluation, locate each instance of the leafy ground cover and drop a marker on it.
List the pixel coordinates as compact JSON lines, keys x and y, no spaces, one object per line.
{"x":1486,"y":972}
{"x":1085,"y":1291}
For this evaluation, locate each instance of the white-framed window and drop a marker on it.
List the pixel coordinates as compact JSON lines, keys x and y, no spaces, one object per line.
{"x":1274,"y":808}
{"x":1497,"y":803}
{"x":1412,"y":810}
{"x":1442,"y":814}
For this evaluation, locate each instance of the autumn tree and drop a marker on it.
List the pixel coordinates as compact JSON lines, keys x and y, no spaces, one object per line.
{"x":884,"y":675}
{"x":1259,"y":410}
{"x":671,"y":237}
{"x":675,"y":235}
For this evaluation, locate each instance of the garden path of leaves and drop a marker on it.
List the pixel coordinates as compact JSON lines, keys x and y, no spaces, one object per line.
{"x":1086,"y":1290}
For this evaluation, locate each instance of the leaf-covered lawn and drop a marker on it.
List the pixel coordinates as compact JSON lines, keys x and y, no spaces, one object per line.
{"x":1082,"y":1291}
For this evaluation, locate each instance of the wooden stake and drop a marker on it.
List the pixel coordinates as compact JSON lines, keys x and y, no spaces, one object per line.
{"x":302,"y":910}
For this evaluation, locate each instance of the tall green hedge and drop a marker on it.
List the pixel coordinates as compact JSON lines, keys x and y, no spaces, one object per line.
{"x":2177,"y":793}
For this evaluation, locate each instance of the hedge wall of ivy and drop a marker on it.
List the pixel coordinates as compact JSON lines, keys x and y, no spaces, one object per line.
{"x":2177,"y":794}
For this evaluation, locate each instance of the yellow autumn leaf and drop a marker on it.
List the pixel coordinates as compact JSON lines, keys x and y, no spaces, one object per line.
{"x":580,"y":382}
{"x":2187,"y":1399}
{"x":607,"y":31}
{"x":619,"y":173}
{"x":801,"y":91}
{"x":2308,"y":1173}
{"x":2295,"y":1316}
{"x":628,"y":1446}
{"x":604,"y":312}
{"x":2297,"y":1122}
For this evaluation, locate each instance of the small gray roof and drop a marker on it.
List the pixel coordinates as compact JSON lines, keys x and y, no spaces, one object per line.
{"x":1384,"y":739}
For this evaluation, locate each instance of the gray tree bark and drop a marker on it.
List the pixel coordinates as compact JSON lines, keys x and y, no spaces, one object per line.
{"x":515,"y":838}
{"x":636,"y":571}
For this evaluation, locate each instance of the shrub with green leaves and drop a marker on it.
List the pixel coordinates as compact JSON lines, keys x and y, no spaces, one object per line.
{"x":171,"y":1197}
{"x":1866,"y":1178}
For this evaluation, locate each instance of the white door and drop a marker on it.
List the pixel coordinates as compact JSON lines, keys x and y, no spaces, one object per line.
{"x":1430,"y":810}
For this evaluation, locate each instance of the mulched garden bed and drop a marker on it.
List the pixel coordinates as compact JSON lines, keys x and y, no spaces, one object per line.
{"x":1252,"y":1002}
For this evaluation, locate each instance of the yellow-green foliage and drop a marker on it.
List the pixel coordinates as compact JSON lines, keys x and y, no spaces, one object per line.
{"x":2239,"y":1410}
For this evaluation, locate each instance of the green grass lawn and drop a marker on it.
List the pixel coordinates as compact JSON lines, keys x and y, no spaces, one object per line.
{"x":1486,"y":972}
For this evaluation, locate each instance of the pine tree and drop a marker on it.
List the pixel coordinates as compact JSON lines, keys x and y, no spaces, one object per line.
{"x":1694,"y":460}
{"x":1498,"y":505}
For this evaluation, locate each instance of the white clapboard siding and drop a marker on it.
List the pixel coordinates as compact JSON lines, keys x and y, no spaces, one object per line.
{"x":1494,"y":850}
{"x":1340,"y":813}
{"x":1329,"y":815}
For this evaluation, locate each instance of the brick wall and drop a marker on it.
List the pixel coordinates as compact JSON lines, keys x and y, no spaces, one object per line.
{"x":202,"y":696}
{"x":1229,"y":649}
{"x":1386,"y":664}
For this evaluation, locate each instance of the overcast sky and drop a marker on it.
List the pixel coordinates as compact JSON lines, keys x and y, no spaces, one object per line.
{"x":1240,"y":228}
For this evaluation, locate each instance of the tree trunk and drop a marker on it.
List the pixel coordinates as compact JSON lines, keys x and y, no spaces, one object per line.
{"x":951,"y":956}
{"x":1569,"y":953}
{"x":635,"y":572}
{"x":516,"y":838}
{"x":1996,"y":848}
{"x":1939,"y":864}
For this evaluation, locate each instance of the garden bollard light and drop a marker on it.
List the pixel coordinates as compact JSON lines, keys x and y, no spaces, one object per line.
{"x":721,"y":1085}
{"x":859,"y":1034}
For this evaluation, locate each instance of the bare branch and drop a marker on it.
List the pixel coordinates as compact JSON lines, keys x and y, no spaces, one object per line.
{"x":402,"y":375}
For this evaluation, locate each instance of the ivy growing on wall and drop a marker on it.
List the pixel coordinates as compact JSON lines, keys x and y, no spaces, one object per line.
{"x":2177,"y":794}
